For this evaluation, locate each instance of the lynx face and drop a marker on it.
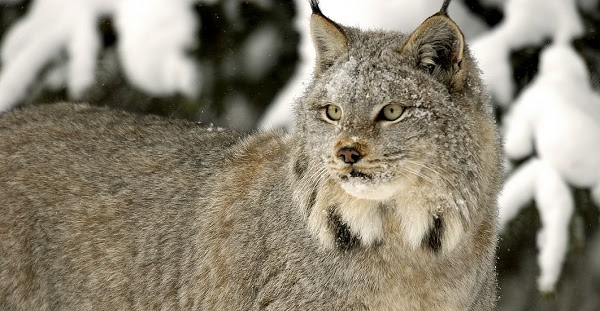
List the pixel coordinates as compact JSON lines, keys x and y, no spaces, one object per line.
{"x":375,"y":135}
{"x":393,"y":120}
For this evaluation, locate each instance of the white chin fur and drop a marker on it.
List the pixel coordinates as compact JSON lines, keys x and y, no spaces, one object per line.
{"x":368,"y":190}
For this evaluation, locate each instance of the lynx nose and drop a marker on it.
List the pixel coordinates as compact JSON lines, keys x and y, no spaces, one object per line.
{"x":349,"y":155}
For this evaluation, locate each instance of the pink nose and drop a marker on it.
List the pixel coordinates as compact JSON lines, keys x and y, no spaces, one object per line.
{"x":349,"y":155}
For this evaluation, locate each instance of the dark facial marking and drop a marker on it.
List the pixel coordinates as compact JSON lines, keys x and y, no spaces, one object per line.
{"x":358,"y":174}
{"x":433,"y":240}
{"x":344,"y":239}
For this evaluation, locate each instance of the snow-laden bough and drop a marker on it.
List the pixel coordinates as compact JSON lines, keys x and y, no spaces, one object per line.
{"x":558,"y":116}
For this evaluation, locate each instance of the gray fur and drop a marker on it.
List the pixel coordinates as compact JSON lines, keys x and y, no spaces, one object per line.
{"x":105,"y":210}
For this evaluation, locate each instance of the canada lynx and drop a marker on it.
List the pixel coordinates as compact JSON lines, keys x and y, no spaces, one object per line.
{"x":382,"y":197}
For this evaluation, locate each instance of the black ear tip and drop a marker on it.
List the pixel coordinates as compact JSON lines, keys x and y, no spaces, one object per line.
{"x":444,"y":9}
{"x":314,"y":5}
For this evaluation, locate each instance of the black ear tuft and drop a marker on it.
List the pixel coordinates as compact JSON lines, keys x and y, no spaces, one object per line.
{"x":444,"y":9}
{"x":329,"y":39}
{"x":314,"y":5}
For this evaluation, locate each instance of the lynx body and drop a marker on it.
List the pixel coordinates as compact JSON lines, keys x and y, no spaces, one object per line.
{"x":382,"y":198}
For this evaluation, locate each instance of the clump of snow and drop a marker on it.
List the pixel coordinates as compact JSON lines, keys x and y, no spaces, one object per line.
{"x":49,"y":27}
{"x":404,"y":15}
{"x":153,"y":37}
{"x":526,"y":22}
{"x":558,"y":115}
{"x":555,"y":204}
{"x":518,"y":191}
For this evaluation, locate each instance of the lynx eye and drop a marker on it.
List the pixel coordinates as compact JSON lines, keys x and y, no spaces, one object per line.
{"x":391,"y":112}
{"x":333,"y":112}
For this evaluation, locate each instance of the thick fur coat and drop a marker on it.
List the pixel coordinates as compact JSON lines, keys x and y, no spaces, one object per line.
{"x":382,"y":198}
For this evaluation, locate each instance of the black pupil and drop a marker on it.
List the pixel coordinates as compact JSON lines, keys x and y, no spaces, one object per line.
{"x":334,"y":111}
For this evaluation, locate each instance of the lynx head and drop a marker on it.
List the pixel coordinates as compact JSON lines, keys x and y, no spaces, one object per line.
{"x":391,"y":122}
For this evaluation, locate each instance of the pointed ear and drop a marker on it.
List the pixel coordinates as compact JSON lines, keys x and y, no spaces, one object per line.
{"x":328,"y":38}
{"x":437,"y":47}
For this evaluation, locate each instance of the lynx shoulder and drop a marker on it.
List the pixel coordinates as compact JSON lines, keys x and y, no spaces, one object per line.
{"x":383,"y":197}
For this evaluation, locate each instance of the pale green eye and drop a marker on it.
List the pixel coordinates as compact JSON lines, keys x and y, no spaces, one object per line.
{"x":391,"y":112}
{"x":333,"y":112}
